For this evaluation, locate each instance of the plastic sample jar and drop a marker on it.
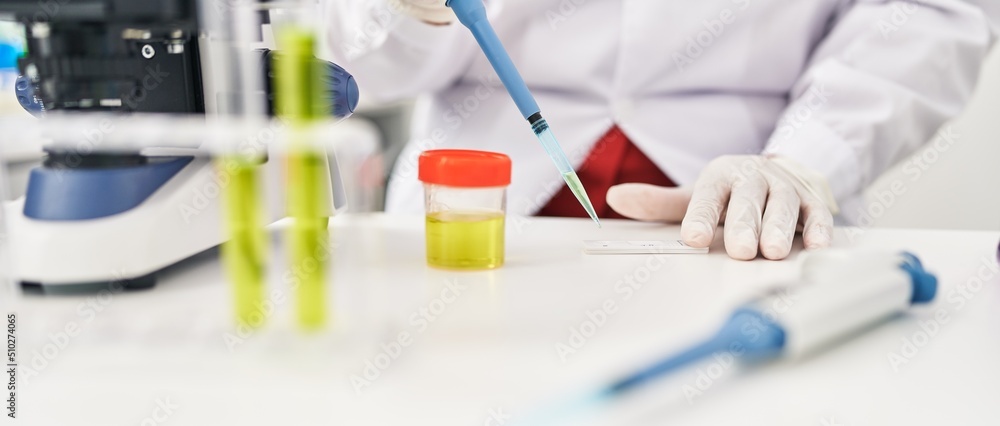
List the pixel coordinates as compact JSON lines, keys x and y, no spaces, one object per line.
{"x":465,"y":196}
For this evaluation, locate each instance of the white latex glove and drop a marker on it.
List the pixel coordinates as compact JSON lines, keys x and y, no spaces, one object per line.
{"x":430,"y":11}
{"x":763,"y":200}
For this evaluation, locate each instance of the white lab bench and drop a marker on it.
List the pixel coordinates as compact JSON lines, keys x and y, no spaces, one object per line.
{"x":483,"y":345}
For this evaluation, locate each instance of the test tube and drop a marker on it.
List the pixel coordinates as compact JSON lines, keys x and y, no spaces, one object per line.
{"x":231,"y":91}
{"x":244,"y":254}
{"x":298,"y":79}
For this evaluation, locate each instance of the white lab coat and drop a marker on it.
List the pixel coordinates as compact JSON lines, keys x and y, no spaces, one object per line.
{"x":846,"y":87}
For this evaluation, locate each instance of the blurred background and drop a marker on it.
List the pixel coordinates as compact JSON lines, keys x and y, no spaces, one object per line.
{"x":938,"y":197}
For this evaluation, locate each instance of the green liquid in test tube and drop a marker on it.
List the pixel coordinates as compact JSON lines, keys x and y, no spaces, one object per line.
{"x":244,"y":253}
{"x":299,"y":79}
{"x":308,"y":237}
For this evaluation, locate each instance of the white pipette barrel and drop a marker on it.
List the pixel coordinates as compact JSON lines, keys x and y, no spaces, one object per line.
{"x":843,"y":294}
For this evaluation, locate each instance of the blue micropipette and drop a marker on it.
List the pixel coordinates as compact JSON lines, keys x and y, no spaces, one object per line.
{"x":472,"y":14}
{"x":843,"y":294}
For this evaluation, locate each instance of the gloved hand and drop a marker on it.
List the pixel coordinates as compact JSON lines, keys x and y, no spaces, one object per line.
{"x":762,"y":200}
{"x":430,"y":11}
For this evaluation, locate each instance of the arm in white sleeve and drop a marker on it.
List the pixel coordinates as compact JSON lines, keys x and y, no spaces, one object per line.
{"x":887,"y":75}
{"x":391,"y":54}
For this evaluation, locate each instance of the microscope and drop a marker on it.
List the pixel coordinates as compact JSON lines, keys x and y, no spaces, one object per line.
{"x":92,"y":217}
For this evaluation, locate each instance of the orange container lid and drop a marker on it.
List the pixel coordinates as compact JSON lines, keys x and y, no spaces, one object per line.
{"x":464,"y":168}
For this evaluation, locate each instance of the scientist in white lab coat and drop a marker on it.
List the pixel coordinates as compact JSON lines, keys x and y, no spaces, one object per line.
{"x":767,"y":116}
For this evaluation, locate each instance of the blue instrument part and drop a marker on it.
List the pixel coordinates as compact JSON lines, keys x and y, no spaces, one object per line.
{"x":25,"y":92}
{"x":91,"y":193}
{"x":344,"y":93}
{"x":342,"y":90}
{"x":925,"y":284}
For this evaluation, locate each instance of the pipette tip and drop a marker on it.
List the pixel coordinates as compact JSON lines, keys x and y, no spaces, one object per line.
{"x":594,"y":216}
{"x":574,"y":184}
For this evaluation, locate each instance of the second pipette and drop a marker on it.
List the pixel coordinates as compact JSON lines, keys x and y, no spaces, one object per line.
{"x":472,"y":14}
{"x":843,"y":294}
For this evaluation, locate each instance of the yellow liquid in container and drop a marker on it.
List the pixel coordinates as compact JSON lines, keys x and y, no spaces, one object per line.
{"x":465,"y":240}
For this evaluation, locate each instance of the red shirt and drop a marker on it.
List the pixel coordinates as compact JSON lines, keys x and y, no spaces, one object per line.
{"x":612,"y":161}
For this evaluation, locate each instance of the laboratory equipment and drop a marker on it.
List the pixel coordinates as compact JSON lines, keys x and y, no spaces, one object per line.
{"x":472,"y":14}
{"x":338,"y":88}
{"x":299,"y":102}
{"x":465,"y":200}
{"x":842,"y":293}
{"x":92,"y":216}
{"x":640,"y":247}
{"x":244,"y":253}
{"x":25,"y":93}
